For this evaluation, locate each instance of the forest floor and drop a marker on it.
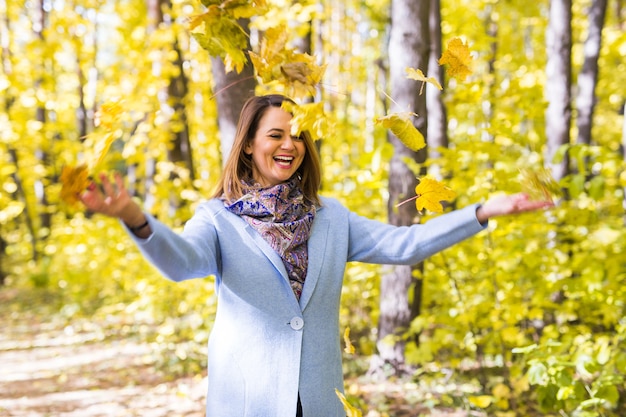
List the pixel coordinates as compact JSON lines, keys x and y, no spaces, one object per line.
{"x":52,"y":368}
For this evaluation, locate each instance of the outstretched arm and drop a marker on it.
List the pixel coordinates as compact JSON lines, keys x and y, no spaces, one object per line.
{"x":509,"y":204}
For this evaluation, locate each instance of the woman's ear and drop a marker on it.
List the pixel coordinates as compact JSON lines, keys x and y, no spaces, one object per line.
{"x":247,"y":149}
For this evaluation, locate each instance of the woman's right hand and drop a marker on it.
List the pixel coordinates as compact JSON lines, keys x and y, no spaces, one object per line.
{"x":113,"y":201}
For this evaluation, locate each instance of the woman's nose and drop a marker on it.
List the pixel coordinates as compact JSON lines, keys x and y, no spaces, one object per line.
{"x":287,"y":142}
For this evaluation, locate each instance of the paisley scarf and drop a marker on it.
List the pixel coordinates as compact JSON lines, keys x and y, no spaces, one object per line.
{"x":283,"y":218}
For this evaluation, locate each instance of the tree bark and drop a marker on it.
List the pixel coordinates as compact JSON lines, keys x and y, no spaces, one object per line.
{"x":232,"y":89}
{"x":558,"y":82}
{"x":588,"y":77}
{"x":42,"y":154}
{"x":408,"y":47}
{"x":624,"y":155}
{"x":437,"y":115}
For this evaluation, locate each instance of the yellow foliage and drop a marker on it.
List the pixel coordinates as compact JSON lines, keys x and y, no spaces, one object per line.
{"x":350,"y":410}
{"x":74,"y":181}
{"x":401,"y":125}
{"x":309,"y":117}
{"x":458,"y":57}
{"x":346,"y":338}
{"x":296,"y":71}
{"x":223,"y":36}
{"x":430,"y":193}
{"x":539,"y":184}
{"x":417,"y":74}
{"x":481,"y":401}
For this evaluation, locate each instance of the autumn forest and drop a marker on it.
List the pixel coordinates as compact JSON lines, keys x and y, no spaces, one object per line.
{"x":417,"y":108}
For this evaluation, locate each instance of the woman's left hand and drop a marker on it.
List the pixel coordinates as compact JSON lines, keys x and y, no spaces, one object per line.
{"x":510,"y":204}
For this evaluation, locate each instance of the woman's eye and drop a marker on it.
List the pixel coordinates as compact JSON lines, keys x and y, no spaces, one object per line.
{"x":297,"y":138}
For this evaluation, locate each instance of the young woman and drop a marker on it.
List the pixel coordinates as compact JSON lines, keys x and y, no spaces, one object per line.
{"x":277,"y":252}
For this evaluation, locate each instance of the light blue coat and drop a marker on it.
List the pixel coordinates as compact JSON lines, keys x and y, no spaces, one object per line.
{"x":265,"y":346}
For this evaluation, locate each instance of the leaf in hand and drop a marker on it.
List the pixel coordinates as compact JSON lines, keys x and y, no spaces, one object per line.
{"x":430,"y":193}
{"x":401,"y":125}
{"x":539,"y":184}
{"x":458,"y":57}
{"x":417,"y":74}
{"x":74,"y":180}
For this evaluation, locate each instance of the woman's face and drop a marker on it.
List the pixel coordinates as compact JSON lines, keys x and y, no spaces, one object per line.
{"x":276,"y":155}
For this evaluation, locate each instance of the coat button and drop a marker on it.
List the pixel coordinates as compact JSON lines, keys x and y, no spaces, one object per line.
{"x":296,"y":323}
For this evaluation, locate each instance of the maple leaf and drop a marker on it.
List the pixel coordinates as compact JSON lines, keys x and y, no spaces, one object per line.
{"x":401,"y":125}
{"x":539,"y":184}
{"x":429,"y":194}
{"x":350,"y":410}
{"x":222,"y":36}
{"x":349,"y":346}
{"x":417,"y":74}
{"x":458,"y":57}
{"x":74,"y":180}
{"x":308,"y":117}
{"x":275,"y":62}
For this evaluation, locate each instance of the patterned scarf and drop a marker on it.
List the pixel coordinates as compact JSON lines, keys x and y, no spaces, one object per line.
{"x":283,"y":218}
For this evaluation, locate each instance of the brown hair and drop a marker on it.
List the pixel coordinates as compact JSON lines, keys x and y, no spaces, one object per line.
{"x":238,"y":166}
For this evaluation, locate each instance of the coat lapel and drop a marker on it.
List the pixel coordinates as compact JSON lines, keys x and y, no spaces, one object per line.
{"x":268,"y":251}
{"x":317,"y":248}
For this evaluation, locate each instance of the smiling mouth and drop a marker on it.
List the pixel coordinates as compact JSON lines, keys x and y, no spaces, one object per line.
{"x":284,"y":160}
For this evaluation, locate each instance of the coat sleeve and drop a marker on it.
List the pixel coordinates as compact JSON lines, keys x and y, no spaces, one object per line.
{"x":193,"y":253}
{"x":376,"y":242}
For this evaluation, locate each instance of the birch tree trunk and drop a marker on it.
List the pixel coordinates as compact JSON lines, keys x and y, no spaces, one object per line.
{"x":408,"y":47}
{"x":558,"y":82}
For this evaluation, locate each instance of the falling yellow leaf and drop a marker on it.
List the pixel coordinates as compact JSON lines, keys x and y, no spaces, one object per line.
{"x":108,"y":116}
{"x":74,"y":180}
{"x":539,"y":184}
{"x":275,"y":62}
{"x":102,"y":146}
{"x":417,"y":74}
{"x":458,"y":58}
{"x":346,"y":338}
{"x":308,"y":117}
{"x":401,"y":125}
{"x":350,"y":410}
{"x":430,"y":193}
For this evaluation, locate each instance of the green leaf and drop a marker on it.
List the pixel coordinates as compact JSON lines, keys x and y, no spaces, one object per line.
{"x":609,"y":393}
{"x":538,"y":374}
{"x":526,"y":349}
